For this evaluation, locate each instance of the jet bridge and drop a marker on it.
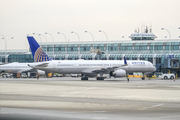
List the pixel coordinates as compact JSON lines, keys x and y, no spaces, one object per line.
{"x":174,"y":63}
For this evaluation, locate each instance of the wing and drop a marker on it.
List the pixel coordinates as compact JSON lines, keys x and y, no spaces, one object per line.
{"x":102,"y":69}
{"x":38,"y":65}
{"x":107,"y":69}
{"x":29,"y":70}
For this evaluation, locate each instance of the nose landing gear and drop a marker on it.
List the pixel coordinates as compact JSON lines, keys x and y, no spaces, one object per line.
{"x":143,"y":78}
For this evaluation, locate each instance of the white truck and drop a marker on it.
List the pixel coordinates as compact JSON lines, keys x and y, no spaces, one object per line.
{"x":167,"y":76}
{"x":74,"y":75}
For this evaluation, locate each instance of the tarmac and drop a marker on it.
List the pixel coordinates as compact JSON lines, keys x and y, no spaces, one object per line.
{"x":69,"y":98}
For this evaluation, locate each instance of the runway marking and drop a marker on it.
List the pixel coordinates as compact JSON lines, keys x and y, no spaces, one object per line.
{"x":152,"y":106}
{"x":74,"y":92}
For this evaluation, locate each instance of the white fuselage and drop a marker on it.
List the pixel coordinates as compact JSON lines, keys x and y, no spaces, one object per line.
{"x":78,"y":66}
{"x":17,"y":68}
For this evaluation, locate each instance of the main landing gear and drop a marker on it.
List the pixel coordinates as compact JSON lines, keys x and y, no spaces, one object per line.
{"x":84,"y":78}
{"x":99,"y":78}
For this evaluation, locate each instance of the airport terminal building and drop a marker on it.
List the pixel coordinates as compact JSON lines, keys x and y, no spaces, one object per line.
{"x":164,"y":54}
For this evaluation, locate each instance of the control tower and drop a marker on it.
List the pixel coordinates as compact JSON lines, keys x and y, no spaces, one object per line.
{"x":145,"y":35}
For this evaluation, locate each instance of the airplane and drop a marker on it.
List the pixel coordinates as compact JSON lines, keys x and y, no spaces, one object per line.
{"x":88,"y":68}
{"x":16,"y":67}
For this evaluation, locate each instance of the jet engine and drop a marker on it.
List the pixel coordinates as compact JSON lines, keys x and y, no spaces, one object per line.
{"x":40,"y":72}
{"x":119,"y":73}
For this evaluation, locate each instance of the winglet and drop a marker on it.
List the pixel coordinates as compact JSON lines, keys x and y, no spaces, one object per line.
{"x":125,"y":62}
{"x":38,"y":53}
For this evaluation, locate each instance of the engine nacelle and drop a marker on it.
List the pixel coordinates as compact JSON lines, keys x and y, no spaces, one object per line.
{"x":40,"y":72}
{"x":119,"y":73}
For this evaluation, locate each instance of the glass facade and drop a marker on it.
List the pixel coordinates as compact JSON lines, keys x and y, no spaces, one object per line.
{"x":2,"y":59}
{"x":102,"y":47}
{"x":24,"y":58}
{"x":84,"y":47}
{"x":112,"y":47}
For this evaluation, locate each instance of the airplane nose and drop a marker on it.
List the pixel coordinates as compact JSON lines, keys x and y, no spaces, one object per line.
{"x":154,"y":68}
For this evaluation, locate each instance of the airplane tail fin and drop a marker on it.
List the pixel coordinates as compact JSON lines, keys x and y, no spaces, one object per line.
{"x":125,"y":62}
{"x":38,"y":53}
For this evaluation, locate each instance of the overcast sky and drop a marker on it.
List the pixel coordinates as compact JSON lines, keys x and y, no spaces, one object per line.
{"x":116,"y":18}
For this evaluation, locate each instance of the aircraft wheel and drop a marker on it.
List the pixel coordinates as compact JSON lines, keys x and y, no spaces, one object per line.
{"x":143,"y":78}
{"x":84,"y":78}
{"x":100,"y":78}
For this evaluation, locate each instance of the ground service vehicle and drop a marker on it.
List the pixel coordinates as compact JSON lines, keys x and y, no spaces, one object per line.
{"x":167,"y":76}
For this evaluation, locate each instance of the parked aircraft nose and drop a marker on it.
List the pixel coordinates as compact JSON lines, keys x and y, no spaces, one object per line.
{"x":154,"y":68}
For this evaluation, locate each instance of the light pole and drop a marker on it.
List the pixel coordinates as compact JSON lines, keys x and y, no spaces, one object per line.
{"x":120,"y":38}
{"x":63,"y":35}
{"x":8,"y":40}
{"x":46,"y":41}
{"x":107,"y":43}
{"x":53,"y":42}
{"x":6,"y":47}
{"x":179,"y":28}
{"x":66,"y":41}
{"x":91,"y":34}
{"x":170,"y":40}
{"x":38,"y":35}
{"x":76,"y":34}
{"x":104,"y":33}
{"x":79,"y":43}
{"x":92,"y":38}
{"x":153,"y":54}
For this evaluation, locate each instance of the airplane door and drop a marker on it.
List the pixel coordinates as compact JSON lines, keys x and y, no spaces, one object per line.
{"x":130,"y":65}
